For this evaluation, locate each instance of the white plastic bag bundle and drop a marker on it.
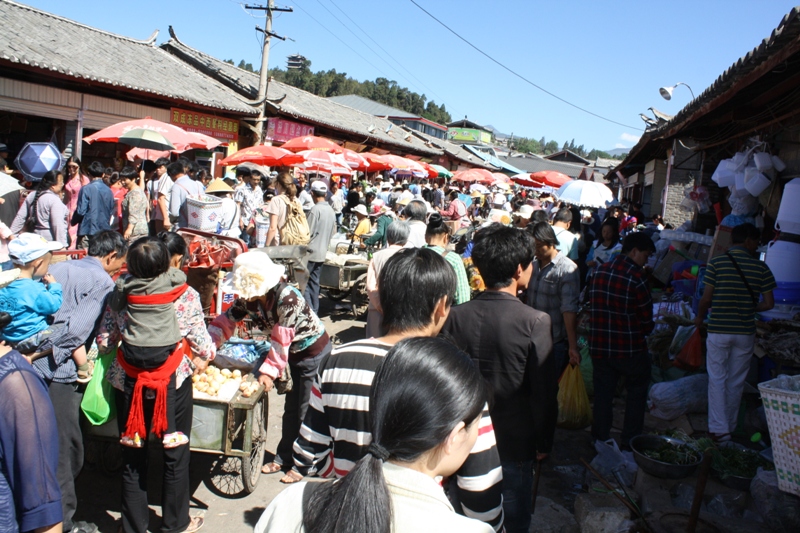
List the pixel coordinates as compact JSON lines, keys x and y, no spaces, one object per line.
{"x":671,"y":399}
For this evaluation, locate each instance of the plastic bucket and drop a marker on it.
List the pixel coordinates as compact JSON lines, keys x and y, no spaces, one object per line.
{"x":787,"y":293}
{"x":778,"y":164}
{"x":763,"y":161}
{"x":783,"y":258}
{"x":788,"y":219}
{"x":725,"y":175}
{"x":755,"y":181}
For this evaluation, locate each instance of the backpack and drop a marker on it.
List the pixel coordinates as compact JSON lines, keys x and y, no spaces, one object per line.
{"x":295,"y":230}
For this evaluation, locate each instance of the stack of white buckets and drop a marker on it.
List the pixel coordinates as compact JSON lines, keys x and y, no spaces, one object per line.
{"x":783,"y":255}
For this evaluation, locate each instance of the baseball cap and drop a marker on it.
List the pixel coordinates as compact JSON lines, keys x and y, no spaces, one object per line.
{"x":319,"y":187}
{"x":29,"y":247}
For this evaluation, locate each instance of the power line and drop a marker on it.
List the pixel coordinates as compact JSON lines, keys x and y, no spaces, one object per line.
{"x":386,"y":52}
{"x":520,"y":76}
{"x":340,"y":40}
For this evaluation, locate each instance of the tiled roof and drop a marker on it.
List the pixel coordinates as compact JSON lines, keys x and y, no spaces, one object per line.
{"x":772,"y":51}
{"x":452,"y":150}
{"x":38,"y":39}
{"x":299,"y":104}
{"x":371,"y":106}
{"x":534,"y":163}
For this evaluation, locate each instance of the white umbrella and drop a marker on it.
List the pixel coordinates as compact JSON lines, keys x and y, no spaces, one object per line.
{"x":478,"y":187}
{"x":585,"y":193}
{"x":8,"y":184}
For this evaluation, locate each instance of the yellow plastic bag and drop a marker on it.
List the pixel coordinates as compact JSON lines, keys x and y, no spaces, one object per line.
{"x":574,"y":409}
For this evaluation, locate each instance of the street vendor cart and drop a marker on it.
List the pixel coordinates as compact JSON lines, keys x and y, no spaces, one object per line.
{"x":344,"y":276}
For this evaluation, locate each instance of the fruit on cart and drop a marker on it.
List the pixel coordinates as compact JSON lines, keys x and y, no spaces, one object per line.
{"x":248,"y":388}
{"x":213,"y":379}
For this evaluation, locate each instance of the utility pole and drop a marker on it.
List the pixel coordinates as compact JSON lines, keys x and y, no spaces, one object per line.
{"x":263,"y":78}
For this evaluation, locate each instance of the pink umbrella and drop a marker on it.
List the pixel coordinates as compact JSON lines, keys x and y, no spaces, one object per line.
{"x":311,"y":142}
{"x":180,"y":138}
{"x":499,"y":176}
{"x":403,"y":164}
{"x":319,"y":161}
{"x":355,"y":160}
{"x":147,"y":155}
{"x":476,"y":175}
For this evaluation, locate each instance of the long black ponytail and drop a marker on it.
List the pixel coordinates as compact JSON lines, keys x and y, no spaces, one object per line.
{"x":48,"y":180}
{"x":424,"y":388}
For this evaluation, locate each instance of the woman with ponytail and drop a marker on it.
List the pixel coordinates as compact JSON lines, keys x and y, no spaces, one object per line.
{"x":43,"y":212}
{"x":425,"y":404}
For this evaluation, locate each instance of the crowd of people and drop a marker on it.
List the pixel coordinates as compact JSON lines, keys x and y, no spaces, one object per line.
{"x":473,"y":316}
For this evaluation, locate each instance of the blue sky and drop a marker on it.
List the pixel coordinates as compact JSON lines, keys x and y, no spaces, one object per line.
{"x":609,"y":57}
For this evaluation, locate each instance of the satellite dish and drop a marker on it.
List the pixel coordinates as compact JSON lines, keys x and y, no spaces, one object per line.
{"x":389,"y":128}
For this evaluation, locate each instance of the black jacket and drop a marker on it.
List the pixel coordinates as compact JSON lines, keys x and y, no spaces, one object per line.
{"x":512,"y":345}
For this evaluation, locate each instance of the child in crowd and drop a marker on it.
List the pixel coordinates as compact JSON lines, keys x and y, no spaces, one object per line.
{"x":151,"y":338}
{"x":32,"y":297}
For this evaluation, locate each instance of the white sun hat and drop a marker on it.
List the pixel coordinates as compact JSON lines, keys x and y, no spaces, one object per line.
{"x":253,"y":274}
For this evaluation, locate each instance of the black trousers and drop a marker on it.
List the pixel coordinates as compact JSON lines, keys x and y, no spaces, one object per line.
{"x":67,"y":405}
{"x":296,"y":403}
{"x":175,"y":491}
{"x":607,"y":372}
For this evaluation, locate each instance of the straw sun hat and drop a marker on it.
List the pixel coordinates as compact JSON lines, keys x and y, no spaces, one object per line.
{"x":218,"y":185}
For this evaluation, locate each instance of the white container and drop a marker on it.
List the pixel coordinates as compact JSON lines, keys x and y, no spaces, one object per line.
{"x":783,"y":259}
{"x":763,"y":161}
{"x":262,"y":228}
{"x":739,"y":159}
{"x":755,"y":182}
{"x":778,"y":164}
{"x":788,"y":219}
{"x":725,"y":175}
{"x":204,"y":213}
{"x":741,"y":177}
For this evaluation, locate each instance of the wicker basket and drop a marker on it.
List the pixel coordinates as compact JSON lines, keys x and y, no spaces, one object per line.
{"x":204,"y":213}
{"x":781,"y":397}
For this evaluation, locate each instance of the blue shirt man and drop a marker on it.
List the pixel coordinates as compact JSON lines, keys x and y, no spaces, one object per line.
{"x":95,"y":207}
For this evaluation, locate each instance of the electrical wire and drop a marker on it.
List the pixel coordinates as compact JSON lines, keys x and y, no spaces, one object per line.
{"x":520,"y":76}
{"x":421,"y":83}
{"x":340,"y":40}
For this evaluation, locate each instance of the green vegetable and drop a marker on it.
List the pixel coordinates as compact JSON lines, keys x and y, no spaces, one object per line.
{"x":676,"y":454}
{"x":730,"y":461}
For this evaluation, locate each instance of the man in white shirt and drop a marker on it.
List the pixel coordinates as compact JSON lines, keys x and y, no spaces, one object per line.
{"x":156,"y":223}
{"x":303,"y":195}
{"x":567,"y":241}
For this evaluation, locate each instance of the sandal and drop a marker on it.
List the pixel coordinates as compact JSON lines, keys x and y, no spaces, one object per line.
{"x":292,"y":476}
{"x":195,"y":523}
{"x":271,"y":468}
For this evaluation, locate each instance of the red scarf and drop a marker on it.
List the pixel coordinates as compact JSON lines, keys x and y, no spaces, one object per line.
{"x":156,"y":379}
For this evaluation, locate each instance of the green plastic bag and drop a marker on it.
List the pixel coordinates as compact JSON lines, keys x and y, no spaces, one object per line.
{"x":98,"y":400}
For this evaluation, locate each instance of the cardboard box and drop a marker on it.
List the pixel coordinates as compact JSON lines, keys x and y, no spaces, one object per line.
{"x":663,"y":271}
{"x":722,"y":241}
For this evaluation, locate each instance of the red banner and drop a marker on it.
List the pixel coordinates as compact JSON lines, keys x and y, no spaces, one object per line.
{"x":218,"y":127}
{"x":281,"y":130}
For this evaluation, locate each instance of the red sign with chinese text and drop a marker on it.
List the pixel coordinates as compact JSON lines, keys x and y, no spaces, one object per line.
{"x":282,"y":130}
{"x":218,"y":127}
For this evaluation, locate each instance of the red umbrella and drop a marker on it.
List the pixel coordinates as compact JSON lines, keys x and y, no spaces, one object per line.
{"x":432,"y":172}
{"x":318,"y":161}
{"x":499,"y":176}
{"x":525,"y":180}
{"x":311,"y":142}
{"x":550,"y":178}
{"x":376,"y":162}
{"x":403,"y":164}
{"x":270,"y":156}
{"x":355,"y":160}
{"x":180,"y":138}
{"x":477,"y":175}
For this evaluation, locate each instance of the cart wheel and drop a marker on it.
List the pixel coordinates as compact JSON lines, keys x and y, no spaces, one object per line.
{"x":251,"y":466}
{"x":336,"y":294}
{"x":358,"y":296}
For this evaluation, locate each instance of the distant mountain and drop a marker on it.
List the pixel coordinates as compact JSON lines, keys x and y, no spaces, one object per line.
{"x":497,"y":133}
{"x":618,"y":151}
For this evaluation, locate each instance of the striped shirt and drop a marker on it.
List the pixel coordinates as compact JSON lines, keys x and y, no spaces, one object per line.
{"x":732,"y":308}
{"x":335,"y":433}
{"x":85,"y":286}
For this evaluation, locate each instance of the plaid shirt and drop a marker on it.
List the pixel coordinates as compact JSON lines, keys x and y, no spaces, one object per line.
{"x":621,"y":310}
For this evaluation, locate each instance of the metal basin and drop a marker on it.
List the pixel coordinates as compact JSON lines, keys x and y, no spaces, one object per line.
{"x":643,"y":443}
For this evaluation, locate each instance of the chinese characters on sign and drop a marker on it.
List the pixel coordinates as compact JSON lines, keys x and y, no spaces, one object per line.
{"x":219,"y":127}
{"x":282,"y":130}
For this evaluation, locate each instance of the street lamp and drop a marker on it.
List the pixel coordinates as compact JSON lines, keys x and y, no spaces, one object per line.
{"x":666,"y":92}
